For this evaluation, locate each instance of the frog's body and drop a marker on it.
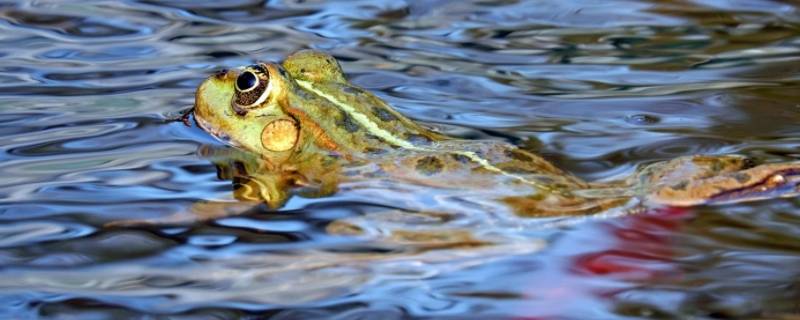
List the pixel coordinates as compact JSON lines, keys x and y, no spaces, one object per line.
{"x":308,"y":124}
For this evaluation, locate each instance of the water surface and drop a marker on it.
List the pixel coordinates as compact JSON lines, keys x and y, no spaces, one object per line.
{"x":87,"y":91}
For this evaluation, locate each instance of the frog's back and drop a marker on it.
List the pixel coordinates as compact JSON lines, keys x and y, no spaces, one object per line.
{"x":475,"y":164}
{"x":363,"y":120}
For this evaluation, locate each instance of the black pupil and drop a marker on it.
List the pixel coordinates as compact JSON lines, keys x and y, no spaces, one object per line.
{"x":246,"y":81}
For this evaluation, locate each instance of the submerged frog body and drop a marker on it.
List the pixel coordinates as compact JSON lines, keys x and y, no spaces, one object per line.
{"x":307,"y":126}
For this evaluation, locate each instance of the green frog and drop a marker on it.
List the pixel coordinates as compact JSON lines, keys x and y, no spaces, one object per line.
{"x":306,"y":129}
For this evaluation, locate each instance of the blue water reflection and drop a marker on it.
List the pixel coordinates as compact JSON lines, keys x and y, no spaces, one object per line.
{"x":89,"y":91}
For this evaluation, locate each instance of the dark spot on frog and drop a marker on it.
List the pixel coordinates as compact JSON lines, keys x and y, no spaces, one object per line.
{"x":283,"y":73}
{"x":221,"y":74}
{"x":518,"y":155}
{"x":383,"y":114}
{"x":460,"y":158}
{"x":680,"y":186}
{"x":544,"y":180}
{"x":375,"y":151}
{"x":240,"y":168}
{"x":741,"y":177}
{"x":239,"y":111}
{"x":258,"y":68}
{"x":417,"y":139}
{"x":305,"y":95}
{"x":560,"y":186}
{"x":717,"y":166}
{"x":748,"y":163}
{"x":329,"y":160}
{"x":346,"y":122}
{"x":350,"y":90}
{"x":480,"y":170}
{"x":512,"y":169}
{"x":372,"y":137}
{"x":429,"y":165}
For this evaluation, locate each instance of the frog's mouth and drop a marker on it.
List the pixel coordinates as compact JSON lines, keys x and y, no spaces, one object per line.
{"x":216,"y":132}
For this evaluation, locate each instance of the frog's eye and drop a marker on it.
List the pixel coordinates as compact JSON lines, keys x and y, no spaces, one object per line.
{"x":246,"y":81}
{"x":252,"y":87}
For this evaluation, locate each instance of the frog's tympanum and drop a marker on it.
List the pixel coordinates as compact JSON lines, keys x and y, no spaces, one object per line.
{"x":307,"y":128}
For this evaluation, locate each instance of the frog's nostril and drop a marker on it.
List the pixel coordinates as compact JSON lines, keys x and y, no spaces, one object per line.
{"x":246,"y":81}
{"x":221,"y":73}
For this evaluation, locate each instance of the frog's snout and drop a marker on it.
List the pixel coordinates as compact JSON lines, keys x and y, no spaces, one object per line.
{"x":213,"y":97}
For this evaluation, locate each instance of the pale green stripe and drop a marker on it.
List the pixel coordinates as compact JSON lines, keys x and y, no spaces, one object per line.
{"x":373,"y":128}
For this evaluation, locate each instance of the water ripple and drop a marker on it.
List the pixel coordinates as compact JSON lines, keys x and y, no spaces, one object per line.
{"x":87,"y":90}
{"x":21,"y":234}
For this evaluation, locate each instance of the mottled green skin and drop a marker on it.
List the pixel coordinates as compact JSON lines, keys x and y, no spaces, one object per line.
{"x":341,"y":124}
{"x":325,"y":124}
{"x":349,"y":135}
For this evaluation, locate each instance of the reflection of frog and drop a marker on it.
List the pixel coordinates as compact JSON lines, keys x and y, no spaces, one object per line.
{"x":308,"y":126}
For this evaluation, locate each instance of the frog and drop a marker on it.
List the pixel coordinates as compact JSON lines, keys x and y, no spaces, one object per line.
{"x":306,"y":127}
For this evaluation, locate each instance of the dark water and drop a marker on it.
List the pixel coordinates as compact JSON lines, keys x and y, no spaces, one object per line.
{"x":598,"y":87}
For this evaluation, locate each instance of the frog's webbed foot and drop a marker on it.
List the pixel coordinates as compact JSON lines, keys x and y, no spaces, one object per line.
{"x":696,"y":180}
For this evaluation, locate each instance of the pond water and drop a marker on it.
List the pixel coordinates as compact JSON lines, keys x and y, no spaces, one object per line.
{"x":88,"y":89}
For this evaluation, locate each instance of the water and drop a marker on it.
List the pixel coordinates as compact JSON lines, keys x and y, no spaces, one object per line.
{"x":597,"y":87}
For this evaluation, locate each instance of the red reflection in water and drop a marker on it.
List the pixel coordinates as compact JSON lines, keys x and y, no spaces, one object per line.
{"x":642,"y":249}
{"x":636,"y":248}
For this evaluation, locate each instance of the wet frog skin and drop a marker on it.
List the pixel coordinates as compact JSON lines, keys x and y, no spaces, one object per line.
{"x":307,"y":129}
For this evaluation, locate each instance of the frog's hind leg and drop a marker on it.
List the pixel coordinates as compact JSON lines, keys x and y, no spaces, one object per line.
{"x":697,"y":180}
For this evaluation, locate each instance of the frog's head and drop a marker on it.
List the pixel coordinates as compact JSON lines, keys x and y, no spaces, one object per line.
{"x":249,"y":108}
{"x":243,"y":108}
{"x":278,"y":109}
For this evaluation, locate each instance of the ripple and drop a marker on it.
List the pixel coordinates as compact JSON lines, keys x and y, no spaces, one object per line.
{"x":21,"y":234}
{"x":250,"y":282}
{"x":265,"y":226}
{"x":81,"y":27}
{"x":87,"y":90}
{"x":111,"y":53}
{"x":642,"y":119}
{"x":237,"y":11}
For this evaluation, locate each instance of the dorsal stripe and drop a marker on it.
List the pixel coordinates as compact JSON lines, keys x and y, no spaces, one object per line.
{"x":390,"y":138}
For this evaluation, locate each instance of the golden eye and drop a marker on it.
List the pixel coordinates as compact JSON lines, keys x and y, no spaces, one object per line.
{"x":246,"y":81}
{"x":252,"y":87}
